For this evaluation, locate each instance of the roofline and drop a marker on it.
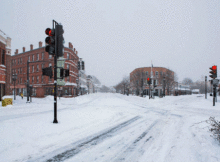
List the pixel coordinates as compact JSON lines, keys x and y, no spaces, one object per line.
{"x":37,"y":49}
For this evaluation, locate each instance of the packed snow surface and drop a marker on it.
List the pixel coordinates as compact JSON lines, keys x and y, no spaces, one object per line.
{"x":107,"y":127}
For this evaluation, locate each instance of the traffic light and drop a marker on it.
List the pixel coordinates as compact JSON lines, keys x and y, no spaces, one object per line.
{"x":60,"y":40}
{"x":213,"y":72}
{"x":148,"y":81}
{"x":67,"y":73}
{"x":154,"y":84}
{"x":64,"y":73}
{"x":78,"y":65}
{"x":50,"y":41}
{"x":83,"y":65}
{"x":47,"y":71}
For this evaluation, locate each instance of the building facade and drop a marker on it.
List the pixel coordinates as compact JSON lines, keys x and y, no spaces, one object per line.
{"x":138,"y":80}
{"x":5,"y":56}
{"x":38,"y":59}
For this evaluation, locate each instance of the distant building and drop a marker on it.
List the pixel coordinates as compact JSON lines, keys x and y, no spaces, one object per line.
{"x":90,"y":85}
{"x":43,"y":85}
{"x":138,"y":80}
{"x":82,"y":82}
{"x":195,"y":91}
{"x":5,"y":68}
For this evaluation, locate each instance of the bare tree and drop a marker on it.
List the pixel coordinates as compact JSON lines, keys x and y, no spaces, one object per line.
{"x":170,"y":80}
{"x":136,"y":82}
{"x":123,"y":85}
{"x":187,"y":81}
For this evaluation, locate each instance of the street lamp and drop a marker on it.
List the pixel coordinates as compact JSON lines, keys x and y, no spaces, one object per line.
{"x":14,"y":78}
{"x":88,"y":86}
{"x":77,"y":82}
{"x":164,"y":86}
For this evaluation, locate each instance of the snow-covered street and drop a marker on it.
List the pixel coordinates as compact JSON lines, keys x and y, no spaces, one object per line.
{"x":107,"y":127}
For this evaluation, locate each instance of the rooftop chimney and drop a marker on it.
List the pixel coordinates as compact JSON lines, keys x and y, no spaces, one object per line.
{"x":40,"y":44}
{"x":16,"y":52}
{"x":31,"y":48}
{"x":23,"y":49}
{"x":76,"y":52}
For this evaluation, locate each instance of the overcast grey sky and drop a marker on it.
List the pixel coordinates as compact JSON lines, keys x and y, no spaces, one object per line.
{"x":114,"y":37}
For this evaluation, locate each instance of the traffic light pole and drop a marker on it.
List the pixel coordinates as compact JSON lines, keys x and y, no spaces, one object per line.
{"x":205,"y":87}
{"x":55,"y":77}
{"x":214,"y":94}
{"x":28,"y":81}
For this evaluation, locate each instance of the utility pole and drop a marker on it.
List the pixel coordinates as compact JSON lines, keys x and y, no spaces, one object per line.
{"x":205,"y":87}
{"x":28,"y":82}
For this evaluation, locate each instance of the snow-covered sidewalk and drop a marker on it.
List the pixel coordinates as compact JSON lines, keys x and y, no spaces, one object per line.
{"x":109,"y":127}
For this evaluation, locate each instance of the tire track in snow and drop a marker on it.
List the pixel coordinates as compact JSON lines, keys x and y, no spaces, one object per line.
{"x":88,"y":142}
{"x":135,"y":145}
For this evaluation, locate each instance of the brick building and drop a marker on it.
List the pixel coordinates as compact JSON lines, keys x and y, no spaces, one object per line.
{"x":5,"y":55}
{"x":43,"y":85}
{"x":138,"y":80}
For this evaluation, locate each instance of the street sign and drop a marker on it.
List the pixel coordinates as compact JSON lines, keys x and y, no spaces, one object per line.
{"x":215,"y":82}
{"x":60,"y":64}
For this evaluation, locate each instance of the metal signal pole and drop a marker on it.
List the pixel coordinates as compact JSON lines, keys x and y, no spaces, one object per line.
{"x":205,"y":87}
{"x":55,"y":75}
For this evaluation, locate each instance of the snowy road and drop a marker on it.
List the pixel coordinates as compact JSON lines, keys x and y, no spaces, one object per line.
{"x":110,"y":128}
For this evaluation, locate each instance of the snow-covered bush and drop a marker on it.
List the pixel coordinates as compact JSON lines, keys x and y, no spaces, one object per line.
{"x":215,"y":128}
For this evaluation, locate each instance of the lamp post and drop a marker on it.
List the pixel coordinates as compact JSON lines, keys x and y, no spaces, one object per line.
{"x":77,"y":82}
{"x":14,"y":78}
{"x":164,"y":86}
{"x":88,"y":86}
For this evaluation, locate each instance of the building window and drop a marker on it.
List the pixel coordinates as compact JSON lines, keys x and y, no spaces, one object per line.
{"x":3,"y":57}
{"x":18,"y":71}
{"x":68,"y":79}
{"x":21,"y":70}
{"x":42,"y":56}
{"x":15,"y":62}
{"x":156,"y":73}
{"x":32,"y":68}
{"x":37,"y":57}
{"x":29,"y":57}
{"x":21,"y":60}
{"x":68,"y":66}
{"x":50,"y":64}
{"x":33,"y":79}
{"x":20,"y":80}
{"x":37,"y":67}
{"x":42,"y":78}
{"x":29,"y":69}
{"x":50,"y":56}
{"x":18,"y":61}
{"x":68,"y":55}
{"x":37,"y":79}
{"x":32,"y":57}
{"x":146,"y":72}
{"x":33,"y":91}
{"x":161,"y":73}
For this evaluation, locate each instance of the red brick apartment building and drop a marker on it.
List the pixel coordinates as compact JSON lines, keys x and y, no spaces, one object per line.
{"x":5,"y":54}
{"x":43,"y":85}
{"x":158,"y":74}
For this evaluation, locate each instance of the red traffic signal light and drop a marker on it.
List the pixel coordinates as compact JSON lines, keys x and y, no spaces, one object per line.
{"x":50,"y":40}
{"x":49,"y":32}
{"x":148,"y":80}
{"x":213,"y":72}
